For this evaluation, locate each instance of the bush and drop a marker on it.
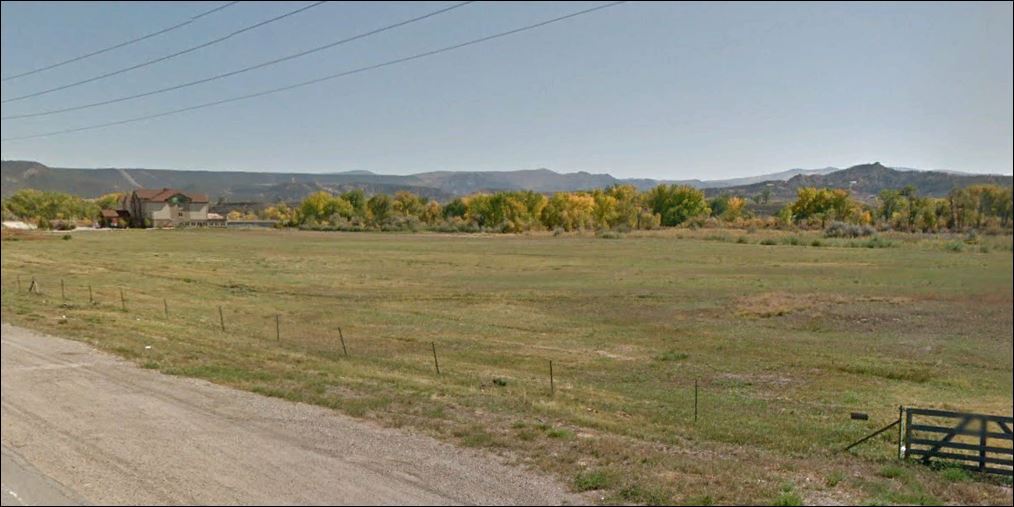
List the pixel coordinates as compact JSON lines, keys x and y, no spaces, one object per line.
{"x":955,"y":246}
{"x":768,"y":241}
{"x":846,"y":230}
{"x":66,"y":237}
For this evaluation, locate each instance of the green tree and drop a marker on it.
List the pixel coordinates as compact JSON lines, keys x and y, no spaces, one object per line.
{"x":677,"y":203}
{"x":380,"y":207}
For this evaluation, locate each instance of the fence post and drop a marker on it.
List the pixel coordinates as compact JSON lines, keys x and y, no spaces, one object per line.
{"x":19,"y":282}
{"x":342,"y":337}
{"x":982,"y":445}
{"x":552,"y":386}
{"x":123,"y":300}
{"x":908,"y":433}
{"x":221,"y":317}
{"x":165,"y":307}
{"x":695,"y":401}
{"x":63,"y":292}
{"x":91,"y":298}
{"x":901,"y":413}
{"x":435,"y":363}
{"x":278,"y":329}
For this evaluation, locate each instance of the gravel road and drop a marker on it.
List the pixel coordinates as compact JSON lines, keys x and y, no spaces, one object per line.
{"x":81,"y":426}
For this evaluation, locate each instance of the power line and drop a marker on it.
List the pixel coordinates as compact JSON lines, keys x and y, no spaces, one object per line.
{"x":239,"y":71}
{"x":325,"y":78}
{"x":167,"y":57}
{"x":120,"y":45}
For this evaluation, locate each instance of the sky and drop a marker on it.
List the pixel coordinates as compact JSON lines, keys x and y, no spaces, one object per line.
{"x":642,"y":89}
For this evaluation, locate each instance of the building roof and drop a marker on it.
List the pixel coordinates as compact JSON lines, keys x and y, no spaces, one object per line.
{"x":110,"y":213}
{"x":163,"y":194}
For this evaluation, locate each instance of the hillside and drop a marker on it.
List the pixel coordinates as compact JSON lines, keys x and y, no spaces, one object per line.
{"x":866,"y":181}
{"x":228,"y":186}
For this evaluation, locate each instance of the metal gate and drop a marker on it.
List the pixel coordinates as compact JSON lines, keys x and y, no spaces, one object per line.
{"x":978,"y":442}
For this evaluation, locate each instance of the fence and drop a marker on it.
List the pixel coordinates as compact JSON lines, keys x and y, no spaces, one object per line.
{"x":966,"y":439}
{"x":307,"y":337}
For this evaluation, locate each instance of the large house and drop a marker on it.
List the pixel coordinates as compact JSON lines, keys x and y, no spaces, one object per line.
{"x":166,"y":207}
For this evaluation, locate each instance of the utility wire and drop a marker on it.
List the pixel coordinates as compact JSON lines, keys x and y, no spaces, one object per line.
{"x":324,"y":78}
{"x":239,"y":71}
{"x":167,"y":57}
{"x":120,"y":45}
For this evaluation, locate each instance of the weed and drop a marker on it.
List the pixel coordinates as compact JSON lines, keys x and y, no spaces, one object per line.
{"x":672,"y":355}
{"x":591,"y":480}
{"x":560,"y":433}
{"x":835,"y":478}
{"x":788,"y":496}
{"x":891,"y":472}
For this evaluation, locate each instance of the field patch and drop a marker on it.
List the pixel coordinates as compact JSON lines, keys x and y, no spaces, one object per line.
{"x":782,"y":343}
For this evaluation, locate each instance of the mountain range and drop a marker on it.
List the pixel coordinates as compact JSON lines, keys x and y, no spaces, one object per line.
{"x":227,"y":186}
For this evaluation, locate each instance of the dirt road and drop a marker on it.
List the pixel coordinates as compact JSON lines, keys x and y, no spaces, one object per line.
{"x":80,"y":426}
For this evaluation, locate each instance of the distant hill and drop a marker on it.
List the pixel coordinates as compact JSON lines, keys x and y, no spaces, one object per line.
{"x":866,"y":181}
{"x":749,"y":180}
{"x":226,"y":186}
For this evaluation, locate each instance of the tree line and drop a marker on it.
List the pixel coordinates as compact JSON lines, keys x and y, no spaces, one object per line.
{"x":620,"y":207}
{"x":623,"y":207}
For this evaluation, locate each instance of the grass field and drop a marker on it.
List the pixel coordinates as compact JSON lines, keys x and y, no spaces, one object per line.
{"x":783,"y":339}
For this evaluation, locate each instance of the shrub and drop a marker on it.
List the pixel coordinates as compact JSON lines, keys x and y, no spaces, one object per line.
{"x":845,"y":230}
{"x":66,"y":237}
{"x":954,"y":246}
{"x":741,"y":240}
{"x":768,"y":241}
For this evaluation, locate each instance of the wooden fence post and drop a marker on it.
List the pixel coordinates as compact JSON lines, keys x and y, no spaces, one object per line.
{"x":982,"y":445}
{"x":91,"y":298}
{"x":435,"y":362}
{"x":165,"y":307}
{"x":123,"y":300}
{"x":221,"y":317}
{"x":908,"y":433}
{"x":19,"y":282}
{"x":63,"y":292}
{"x":278,"y":329}
{"x":552,"y":386}
{"x":901,"y":414}
{"x":342,"y":337}
{"x":695,"y":400}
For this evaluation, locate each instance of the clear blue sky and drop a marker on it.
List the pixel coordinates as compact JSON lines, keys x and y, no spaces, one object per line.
{"x":640,"y":90}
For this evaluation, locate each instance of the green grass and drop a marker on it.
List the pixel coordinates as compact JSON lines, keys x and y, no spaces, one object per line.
{"x":591,"y":480}
{"x":783,"y":339}
{"x":788,"y":497}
